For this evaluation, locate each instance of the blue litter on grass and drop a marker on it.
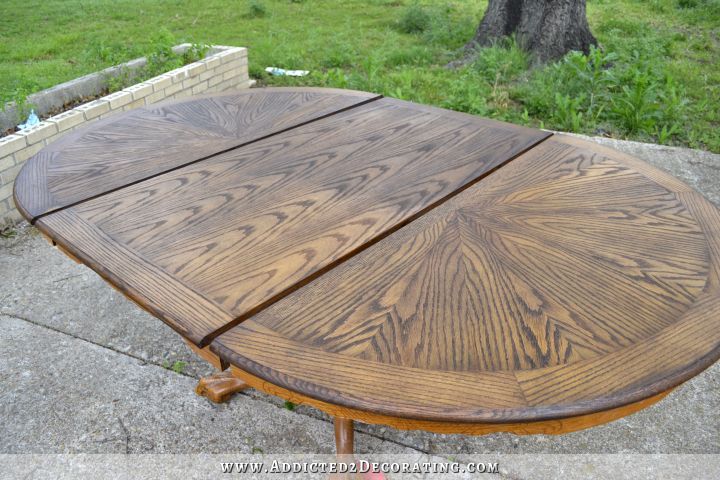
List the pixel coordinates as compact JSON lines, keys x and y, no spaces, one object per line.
{"x":280,"y":72}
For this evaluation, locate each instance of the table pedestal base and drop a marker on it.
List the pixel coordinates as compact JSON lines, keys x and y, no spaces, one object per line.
{"x":220,"y":387}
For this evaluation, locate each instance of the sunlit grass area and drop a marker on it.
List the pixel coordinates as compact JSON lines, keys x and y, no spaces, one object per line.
{"x":656,"y":78}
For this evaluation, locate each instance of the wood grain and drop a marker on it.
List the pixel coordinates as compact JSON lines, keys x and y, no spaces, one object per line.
{"x":220,"y":387}
{"x":165,"y":297}
{"x":145,"y":142}
{"x":563,"y":284}
{"x":548,"y":427}
{"x":398,"y":263}
{"x":247,"y":227}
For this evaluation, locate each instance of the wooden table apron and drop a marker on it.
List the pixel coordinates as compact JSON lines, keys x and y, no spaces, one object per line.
{"x":391,"y":262}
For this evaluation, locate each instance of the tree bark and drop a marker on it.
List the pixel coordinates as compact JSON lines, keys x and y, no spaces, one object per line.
{"x":546,"y":28}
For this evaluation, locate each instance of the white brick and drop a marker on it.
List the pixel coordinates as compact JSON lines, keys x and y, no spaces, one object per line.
{"x":230,"y":54}
{"x":201,"y":87}
{"x":212,"y":62}
{"x":119,"y":99}
{"x":239,"y":52}
{"x":137,"y":103}
{"x":7,"y":162}
{"x":140,"y":90}
{"x":8,"y":176}
{"x":11,"y":143}
{"x":225,"y":55}
{"x":177,"y":75}
{"x":40,"y":132}
{"x":67,"y":120}
{"x":232,"y":74}
{"x":206,"y":75}
{"x":28,"y":152}
{"x":173,"y":89}
{"x":215,"y":80}
{"x":160,"y":82}
{"x":94,"y":109}
{"x":190,"y":82}
{"x":221,"y":87}
{"x":6,"y":191}
{"x":226,"y":67}
{"x":49,"y":140}
{"x":195,"y":68}
{"x":155,"y":97}
{"x":235,"y":77}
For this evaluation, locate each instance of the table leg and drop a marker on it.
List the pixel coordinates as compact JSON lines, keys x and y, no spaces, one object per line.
{"x":220,"y":387}
{"x":344,"y":436}
{"x":344,"y":445}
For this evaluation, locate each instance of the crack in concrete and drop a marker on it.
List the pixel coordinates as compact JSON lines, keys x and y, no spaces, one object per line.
{"x":148,"y":362}
{"x":70,"y":277}
{"x":127,"y":435}
{"x":106,"y":347}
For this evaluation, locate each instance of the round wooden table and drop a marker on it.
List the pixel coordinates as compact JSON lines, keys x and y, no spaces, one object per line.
{"x":390,"y":262}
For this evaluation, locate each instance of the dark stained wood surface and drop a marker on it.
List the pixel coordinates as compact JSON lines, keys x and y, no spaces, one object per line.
{"x":246,"y":227}
{"x":572,"y":280}
{"x":404,"y":260}
{"x":141,"y":143}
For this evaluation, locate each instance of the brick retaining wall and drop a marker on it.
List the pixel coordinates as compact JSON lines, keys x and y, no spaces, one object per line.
{"x":225,"y":69}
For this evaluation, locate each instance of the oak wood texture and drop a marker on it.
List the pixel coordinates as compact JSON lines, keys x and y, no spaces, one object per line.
{"x":406,"y":265}
{"x":141,"y":143}
{"x":220,"y":387}
{"x":557,"y":426}
{"x":549,"y":427}
{"x":344,"y":436}
{"x":235,"y":232}
{"x":571,"y":281}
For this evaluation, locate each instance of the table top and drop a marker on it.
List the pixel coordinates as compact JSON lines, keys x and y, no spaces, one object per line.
{"x":391,"y":257}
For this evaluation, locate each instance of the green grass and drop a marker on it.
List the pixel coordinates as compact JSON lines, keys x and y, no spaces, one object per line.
{"x":657,"y":79}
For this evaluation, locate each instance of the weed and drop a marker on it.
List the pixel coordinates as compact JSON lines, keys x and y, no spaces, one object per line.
{"x":177,"y":366}
{"x":415,"y":19}
{"x":8,"y":229}
{"x":449,"y":28}
{"x":567,"y":114}
{"x":194,"y":53}
{"x":123,"y":78}
{"x":19,"y":99}
{"x":467,"y":94}
{"x":289,"y":405}
{"x":256,"y":9}
{"x":502,"y":62}
{"x":687,"y":3}
{"x":635,"y":106}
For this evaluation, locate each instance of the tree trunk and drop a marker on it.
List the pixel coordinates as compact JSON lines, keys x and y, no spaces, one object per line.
{"x":546,"y":28}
